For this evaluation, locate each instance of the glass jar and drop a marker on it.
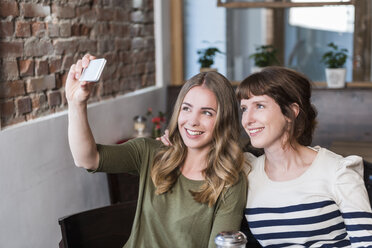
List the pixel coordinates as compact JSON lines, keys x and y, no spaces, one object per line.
{"x":139,"y":126}
{"x":230,"y":239}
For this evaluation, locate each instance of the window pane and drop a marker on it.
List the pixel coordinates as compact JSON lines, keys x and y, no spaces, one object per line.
{"x":309,"y":30}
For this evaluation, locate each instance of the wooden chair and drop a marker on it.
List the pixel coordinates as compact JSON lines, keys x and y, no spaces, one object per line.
{"x":106,"y":227}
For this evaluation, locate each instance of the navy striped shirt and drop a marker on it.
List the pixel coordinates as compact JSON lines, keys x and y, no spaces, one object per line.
{"x":327,"y":206}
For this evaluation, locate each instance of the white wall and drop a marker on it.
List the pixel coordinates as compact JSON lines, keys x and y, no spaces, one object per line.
{"x":38,"y":180}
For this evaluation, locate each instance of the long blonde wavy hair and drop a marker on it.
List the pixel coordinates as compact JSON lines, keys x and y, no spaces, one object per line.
{"x":225,"y":159}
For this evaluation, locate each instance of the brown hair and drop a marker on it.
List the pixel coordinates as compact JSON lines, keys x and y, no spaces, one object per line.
{"x":286,"y":87}
{"x":225,"y":159}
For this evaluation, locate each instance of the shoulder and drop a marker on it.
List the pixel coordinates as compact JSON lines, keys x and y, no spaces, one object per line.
{"x":339,"y":163}
{"x":145,"y":143}
{"x":238,"y":191}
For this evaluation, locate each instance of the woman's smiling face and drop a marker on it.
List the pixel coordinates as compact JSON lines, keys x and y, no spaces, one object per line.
{"x":197,"y":117}
{"x":264,"y":121}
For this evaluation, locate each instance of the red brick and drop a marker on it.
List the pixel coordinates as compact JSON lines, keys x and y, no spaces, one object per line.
{"x":6,"y":29}
{"x":88,"y":46}
{"x":35,"y":10}
{"x":9,"y":9}
{"x":104,"y":46}
{"x":65,"y":29}
{"x":11,"y":49}
{"x":53,"y":29}
{"x":24,"y":105}
{"x":43,"y":83}
{"x":150,"y":43}
{"x":75,"y":29}
{"x":105,"y":14}
{"x":68,"y":60}
{"x":85,"y":30}
{"x":54,"y":98}
{"x":12,"y":89}
{"x":26,"y":67}
{"x":8,"y":70}
{"x":7,"y":108}
{"x":150,"y":67}
{"x":148,"y":30}
{"x":63,"y":11}
{"x":149,"y":17}
{"x":86,"y":13}
{"x":38,"y":101}
{"x":65,"y":46}
{"x":38,"y":47}
{"x":140,"y":68}
{"x":42,"y":68}
{"x":121,"y":15}
{"x":23,"y":29}
{"x":122,"y":44}
{"x":63,"y":79}
{"x":38,"y":29}
{"x":55,"y":65}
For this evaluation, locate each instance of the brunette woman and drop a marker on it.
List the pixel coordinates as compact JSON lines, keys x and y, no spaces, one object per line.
{"x":298,"y":196}
{"x":188,"y":192}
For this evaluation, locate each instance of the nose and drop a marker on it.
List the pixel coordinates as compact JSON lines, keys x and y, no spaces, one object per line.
{"x":247,"y":118}
{"x":194,"y":119}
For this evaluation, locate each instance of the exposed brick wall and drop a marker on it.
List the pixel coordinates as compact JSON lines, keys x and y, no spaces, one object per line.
{"x":39,"y":41}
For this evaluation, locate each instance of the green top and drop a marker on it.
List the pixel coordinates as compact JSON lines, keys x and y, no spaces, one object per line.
{"x":173,"y":219}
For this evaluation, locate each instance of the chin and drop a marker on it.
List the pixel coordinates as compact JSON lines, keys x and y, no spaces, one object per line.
{"x":257,"y":144}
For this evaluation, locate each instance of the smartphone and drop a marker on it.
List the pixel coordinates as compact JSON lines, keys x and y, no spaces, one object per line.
{"x":94,"y":70}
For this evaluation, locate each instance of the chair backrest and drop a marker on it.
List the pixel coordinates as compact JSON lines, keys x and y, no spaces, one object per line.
{"x":368,"y":178}
{"x":106,"y":227}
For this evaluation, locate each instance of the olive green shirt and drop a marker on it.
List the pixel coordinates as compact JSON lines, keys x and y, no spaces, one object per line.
{"x":173,"y":219}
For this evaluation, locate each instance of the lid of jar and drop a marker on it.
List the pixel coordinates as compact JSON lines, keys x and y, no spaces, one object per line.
{"x":230,"y":238}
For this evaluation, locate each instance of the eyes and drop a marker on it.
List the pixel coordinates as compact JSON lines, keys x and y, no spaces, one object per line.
{"x":257,"y":106}
{"x":204,"y":112}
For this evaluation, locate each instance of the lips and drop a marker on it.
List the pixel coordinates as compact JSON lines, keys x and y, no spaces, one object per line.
{"x":254,"y":131}
{"x":193,"y":132}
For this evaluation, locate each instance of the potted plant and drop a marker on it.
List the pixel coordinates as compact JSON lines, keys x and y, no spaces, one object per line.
{"x":335,"y":60}
{"x":206,"y":58}
{"x":265,"y":55}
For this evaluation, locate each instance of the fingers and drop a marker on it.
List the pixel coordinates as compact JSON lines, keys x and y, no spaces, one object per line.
{"x":71,"y":73}
{"x":78,"y":69}
{"x":164,"y":140}
{"x":86,"y":59}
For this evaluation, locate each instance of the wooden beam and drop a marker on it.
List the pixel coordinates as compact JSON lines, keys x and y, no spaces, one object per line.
{"x":278,"y":24}
{"x":177,"y":42}
{"x":362,"y":41}
{"x":281,"y":4}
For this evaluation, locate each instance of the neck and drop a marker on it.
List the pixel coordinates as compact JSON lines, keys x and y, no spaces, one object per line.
{"x":288,"y":162}
{"x":194,"y":164}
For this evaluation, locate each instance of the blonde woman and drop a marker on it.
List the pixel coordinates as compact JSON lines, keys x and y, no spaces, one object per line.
{"x":189,"y":192}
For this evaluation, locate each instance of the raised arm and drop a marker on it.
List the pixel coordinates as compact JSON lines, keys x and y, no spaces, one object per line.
{"x":81,"y":140}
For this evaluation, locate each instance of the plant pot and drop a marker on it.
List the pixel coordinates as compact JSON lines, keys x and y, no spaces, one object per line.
{"x":207,"y":69}
{"x":335,"y":77}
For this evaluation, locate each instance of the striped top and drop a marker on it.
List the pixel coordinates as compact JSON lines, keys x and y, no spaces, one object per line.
{"x":327,"y":206}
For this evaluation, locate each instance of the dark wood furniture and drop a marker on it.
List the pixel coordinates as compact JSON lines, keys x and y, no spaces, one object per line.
{"x":105,"y":227}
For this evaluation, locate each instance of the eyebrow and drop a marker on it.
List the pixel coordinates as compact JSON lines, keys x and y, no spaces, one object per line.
{"x":203,"y":108}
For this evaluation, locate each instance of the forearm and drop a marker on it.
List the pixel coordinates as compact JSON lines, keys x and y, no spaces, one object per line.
{"x":81,"y":140}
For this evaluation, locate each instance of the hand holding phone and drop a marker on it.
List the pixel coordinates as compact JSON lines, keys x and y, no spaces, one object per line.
{"x":94,"y":70}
